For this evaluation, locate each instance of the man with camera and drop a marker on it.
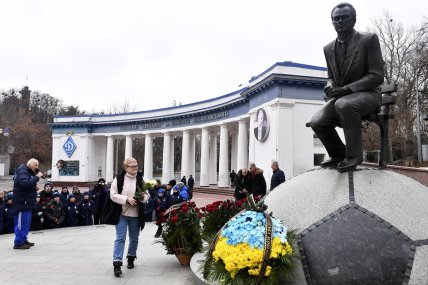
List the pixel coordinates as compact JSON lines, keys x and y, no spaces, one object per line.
{"x":24,"y":201}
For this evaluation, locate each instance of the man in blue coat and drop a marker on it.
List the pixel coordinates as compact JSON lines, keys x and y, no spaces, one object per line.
{"x":24,"y":201}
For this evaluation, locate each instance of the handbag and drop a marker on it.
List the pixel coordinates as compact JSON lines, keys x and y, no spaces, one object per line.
{"x":111,"y":213}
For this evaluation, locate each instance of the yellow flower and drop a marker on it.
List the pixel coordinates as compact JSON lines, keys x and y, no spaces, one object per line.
{"x":243,"y":256}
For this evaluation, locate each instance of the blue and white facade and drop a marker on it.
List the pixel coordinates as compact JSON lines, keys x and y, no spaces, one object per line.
{"x":265,"y":121}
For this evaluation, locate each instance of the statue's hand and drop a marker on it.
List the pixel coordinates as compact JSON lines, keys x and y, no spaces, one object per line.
{"x":338,"y":92}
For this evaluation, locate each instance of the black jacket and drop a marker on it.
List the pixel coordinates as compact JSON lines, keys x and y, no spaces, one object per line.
{"x":242,"y":182}
{"x":24,"y":189}
{"x":54,"y":211}
{"x":258,"y":182}
{"x":278,"y":177}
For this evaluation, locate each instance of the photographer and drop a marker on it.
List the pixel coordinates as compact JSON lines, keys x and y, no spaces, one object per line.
{"x":24,"y":201}
{"x":100,"y":196}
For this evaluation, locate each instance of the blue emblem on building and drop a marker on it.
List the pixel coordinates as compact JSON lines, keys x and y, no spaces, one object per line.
{"x":69,"y":147}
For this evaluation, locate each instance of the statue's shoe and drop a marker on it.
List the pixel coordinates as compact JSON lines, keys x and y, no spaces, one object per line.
{"x":332,"y":162}
{"x":349,"y":164}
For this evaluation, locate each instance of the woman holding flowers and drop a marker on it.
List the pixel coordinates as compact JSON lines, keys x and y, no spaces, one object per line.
{"x":123,"y":191}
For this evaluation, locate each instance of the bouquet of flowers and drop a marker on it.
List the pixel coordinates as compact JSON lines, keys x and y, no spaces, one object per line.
{"x":181,"y":230}
{"x":252,"y":248}
{"x":147,"y":184}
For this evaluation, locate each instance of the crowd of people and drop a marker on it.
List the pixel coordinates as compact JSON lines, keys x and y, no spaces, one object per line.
{"x":252,"y":181}
{"x":55,"y":209}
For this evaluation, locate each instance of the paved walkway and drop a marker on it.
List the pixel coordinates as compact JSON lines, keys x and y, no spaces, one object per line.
{"x":83,"y":255}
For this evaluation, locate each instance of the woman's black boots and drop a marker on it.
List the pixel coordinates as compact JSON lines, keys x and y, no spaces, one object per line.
{"x":131,"y":261}
{"x":116,"y":268}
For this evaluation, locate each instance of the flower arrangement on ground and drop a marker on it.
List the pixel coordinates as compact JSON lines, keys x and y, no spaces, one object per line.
{"x":181,"y":230}
{"x":218,"y":213}
{"x":252,"y":248}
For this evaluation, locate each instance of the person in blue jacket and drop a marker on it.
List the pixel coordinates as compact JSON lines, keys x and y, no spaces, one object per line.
{"x":37,"y":221}
{"x":86,"y":210}
{"x":24,"y":201}
{"x":162,"y":203}
{"x":71,"y":210}
{"x":184,"y":191}
{"x":63,"y":196}
{"x":8,"y":223}
{"x":175,"y":197}
{"x":149,"y":207}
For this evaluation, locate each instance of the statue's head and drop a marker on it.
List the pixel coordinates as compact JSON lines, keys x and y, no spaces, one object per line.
{"x":343,"y":17}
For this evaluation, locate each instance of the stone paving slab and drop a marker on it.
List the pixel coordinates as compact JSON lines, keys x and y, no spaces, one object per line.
{"x":55,"y":259}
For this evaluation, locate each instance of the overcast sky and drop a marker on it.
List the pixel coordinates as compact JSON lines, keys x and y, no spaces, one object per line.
{"x":98,"y":53}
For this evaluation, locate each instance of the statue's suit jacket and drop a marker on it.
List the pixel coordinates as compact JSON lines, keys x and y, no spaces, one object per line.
{"x":363,"y":67}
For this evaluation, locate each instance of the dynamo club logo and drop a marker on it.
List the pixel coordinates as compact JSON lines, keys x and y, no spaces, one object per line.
{"x":69,"y":147}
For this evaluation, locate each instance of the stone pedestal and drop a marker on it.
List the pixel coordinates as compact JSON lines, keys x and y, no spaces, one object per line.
{"x":369,"y":226}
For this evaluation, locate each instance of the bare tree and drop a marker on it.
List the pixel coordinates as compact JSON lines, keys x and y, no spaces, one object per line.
{"x":405,"y":55}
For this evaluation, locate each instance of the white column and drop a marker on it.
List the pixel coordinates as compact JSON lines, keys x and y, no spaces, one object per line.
{"x":185,"y":152}
{"x":56,"y":150}
{"x":234,"y":153}
{"x":148,"y":157}
{"x":213,"y":158}
{"x":172,"y":154}
{"x":251,"y":143}
{"x":242,"y":160}
{"x":223,"y":175}
{"x":166,"y":158}
{"x":109,"y":159}
{"x":205,"y":153}
{"x":128,"y":146}
{"x":192,"y":154}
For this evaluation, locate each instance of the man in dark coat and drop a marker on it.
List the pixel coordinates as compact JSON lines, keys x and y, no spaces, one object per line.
{"x":71,"y":210}
{"x":37,"y":220}
{"x":232,"y":176}
{"x":55,"y":215}
{"x":86,"y":210}
{"x":99,"y":196}
{"x":24,"y":201}
{"x":64,"y":195}
{"x":190,"y":184}
{"x":258,"y":182}
{"x":184,"y":180}
{"x":278,"y":176}
{"x":46,"y":194}
{"x":242,"y":184}
{"x":355,"y":73}
{"x":8,"y":216}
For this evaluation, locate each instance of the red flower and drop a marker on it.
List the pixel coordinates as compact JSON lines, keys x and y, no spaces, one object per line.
{"x":199,"y":215}
{"x":197,"y":210}
{"x":173,"y":212}
{"x":184,"y":208}
{"x":162,"y":213}
{"x":174,"y":219}
{"x":203,"y":209}
{"x":192,"y":204}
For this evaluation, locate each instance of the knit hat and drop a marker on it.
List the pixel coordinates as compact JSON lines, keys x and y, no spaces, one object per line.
{"x":161,"y":191}
{"x":86,"y":193}
{"x":9,"y":196}
{"x":48,"y":183}
{"x":55,"y":194}
{"x":172,"y":182}
{"x":69,"y":196}
{"x":101,"y":180}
